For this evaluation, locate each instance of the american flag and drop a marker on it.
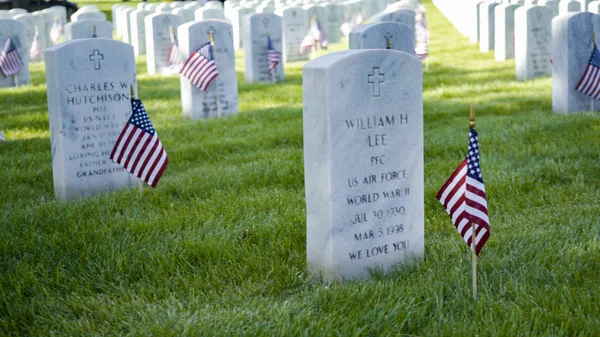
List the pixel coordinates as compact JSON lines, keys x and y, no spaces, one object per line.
{"x":138,"y":148}
{"x":10,"y":61}
{"x":421,"y":33}
{"x":200,"y":67}
{"x":318,"y":33}
{"x":273,"y":57}
{"x":175,"y":54}
{"x":2,"y":138}
{"x":56,"y":31}
{"x":463,"y":197}
{"x":359,"y":19}
{"x":590,"y":81}
{"x":346,"y":27}
{"x":35,"y":53}
{"x":307,"y":44}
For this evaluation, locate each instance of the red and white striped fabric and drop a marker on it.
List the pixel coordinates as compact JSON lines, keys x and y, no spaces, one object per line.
{"x":138,"y":148}
{"x":200,"y":67}
{"x":464,"y":198}
{"x":10,"y":61}
{"x":589,"y":84}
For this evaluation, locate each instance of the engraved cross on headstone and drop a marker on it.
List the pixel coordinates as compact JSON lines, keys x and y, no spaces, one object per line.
{"x":376,"y":78}
{"x":96,"y":57}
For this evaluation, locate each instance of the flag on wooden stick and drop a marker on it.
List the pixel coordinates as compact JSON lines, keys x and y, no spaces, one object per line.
{"x":463,"y":196}
{"x":35,"y":53}
{"x":274,"y":57}
{"x":56,"y":31}
{"x":200,"y":67}
{"x":421,"y":33}
{"x":138,"y":148}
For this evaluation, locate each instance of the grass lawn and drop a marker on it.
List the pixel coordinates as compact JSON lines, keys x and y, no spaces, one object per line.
{"x":219,"y":247}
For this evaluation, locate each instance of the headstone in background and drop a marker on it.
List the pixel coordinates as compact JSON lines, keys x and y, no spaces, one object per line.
{"x":125,"y":23}
{"x":45,"y":20}
{"x":401,"y":16}
{"x":141,"y":5}
{"x":59,"y":11}
{"x":504,"y":41}
{"x":186,"y":15}
{"x":19,"y":38}
{"x":265,"y":8}
{"x":163,"y":8}
{"x":85,"y":29}
{"x":138,"y":31}
{"x":486,"y":26}
{"x":533,"y":42}
{"x":553,"y":4}
{"x":150,"y":7}
{"x":594,"y":7}
{"x":176,"y":4}
{"x":113,"y":14}
{"x":363,"y":150}
{"x":568,"y":6}
{"x":294,"y":29}
{"x":255,"y":30}
{"x":316,"y":11}
{"x":473,"y":14}
{"x":584,"y":5}
{"x":572,"y":48}
{"x":198,"y":104}
{"x":206,"y":13}
{"x":88,"y":84}
{"x":89,"y":16}
{"x":159,"y":41}
{"x":237,"y":18}
{"x":31,"y":22}
{"x":334,"y":19}
{"x":377,"y":35}
{"x":17,"y":11}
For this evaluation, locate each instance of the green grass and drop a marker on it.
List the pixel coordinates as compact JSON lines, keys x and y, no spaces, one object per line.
{"x":219,"y":247}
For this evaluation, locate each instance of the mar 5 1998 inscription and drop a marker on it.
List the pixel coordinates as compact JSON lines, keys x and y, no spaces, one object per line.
{"x":363,"y":138}
{"x":88,"y":103}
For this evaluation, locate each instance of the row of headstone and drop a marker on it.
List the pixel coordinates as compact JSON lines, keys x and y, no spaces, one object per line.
{"x":555,"y":38}
{"x":364,"y":192}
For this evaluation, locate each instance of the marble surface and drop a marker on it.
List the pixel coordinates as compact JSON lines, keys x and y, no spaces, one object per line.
{"x":254,"y":34}
{"x":363,"y":162}
{"x":158,"y":41}
{"x":84,"y":29}
{"x":375,"y":36}
{"x":533,"y":42}
{"x":88,"y":84}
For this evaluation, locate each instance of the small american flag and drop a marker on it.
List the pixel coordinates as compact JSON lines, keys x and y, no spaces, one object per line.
{"x":307,"y":44}
{"x":346,"y":27}
{"x":56,"y":31}
{"x":590,"y":81}
{"x":35,"y":53}
{"x":463,"y":196}
{"x":175,"y":54}
{"x":273,"y":56}
{"x":10,"y":61}
{"x":318,"y":33}
{"x":200,"y":67}
{"x":421,"y":33}
{"x":2,"y":138}
{"x":138,"y":148}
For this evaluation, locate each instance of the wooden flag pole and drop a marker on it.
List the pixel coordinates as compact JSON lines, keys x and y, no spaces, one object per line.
{"x":211,"y":37}
{"x":272,"y":72}
{"x":171,"y":34}
{"x":473,"y":231}
{"x":140,"y":182}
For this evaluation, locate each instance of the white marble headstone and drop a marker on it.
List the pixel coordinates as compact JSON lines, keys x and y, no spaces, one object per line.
{"x":125,"y":23}
{"x":533,"y":42}
{"x":376,"y":36}
{"x":31,"y":22}
{"x":294,"y":29}
{"x":571,"y":51}
{"x":255,"y":30}
{"x":198,"y":104}
{"x":19,"y":38}
{"x":159,"y":41}
{"x":486,"y":26}
{"x":88,"y":83}
{"x":138,"y":30}
{"x":334,"y":19}
{"x":237,"y":18}
{"x":87,"y":15}
{"x":206,"y":13}
{"x":85,"y":29}
{"x":504,"y":41}
{"x":363,"y":162}
{"x":400,"y":16}
{"x":594,"y":7}
{"x":568,"y":6}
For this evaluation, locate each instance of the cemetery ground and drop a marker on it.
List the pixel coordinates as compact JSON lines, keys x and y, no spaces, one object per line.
{"x":218,"y":248}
